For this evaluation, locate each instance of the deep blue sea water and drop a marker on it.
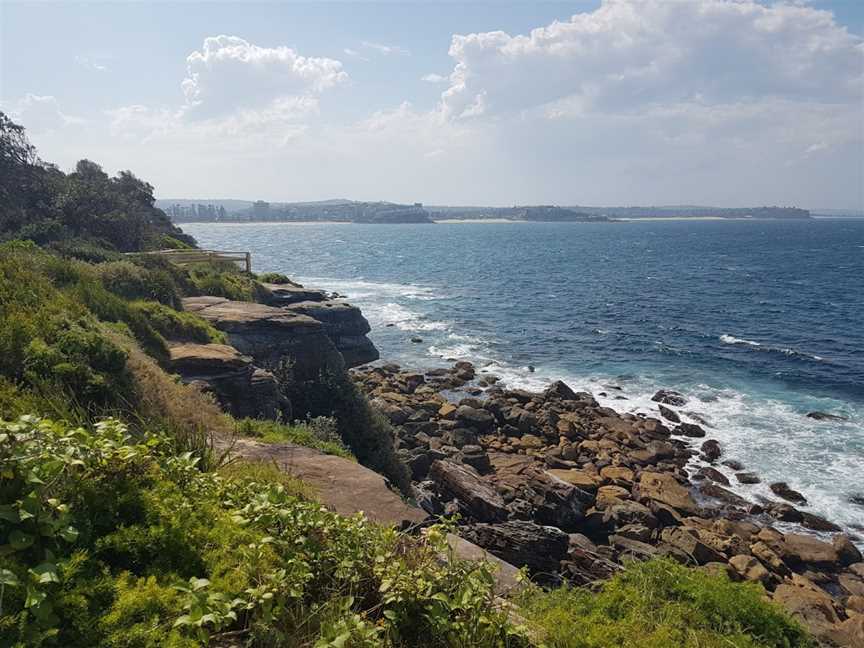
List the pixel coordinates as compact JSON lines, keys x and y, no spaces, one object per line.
{"x":757,"y":322}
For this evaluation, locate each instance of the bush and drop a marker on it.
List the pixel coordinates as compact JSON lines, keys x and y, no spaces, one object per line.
{"x":131,"y":281}
{"x":224,"y":279}
{"x":176,"y":325}
{"x":660,"y":604}
{"x":177,"y":557}
{"x":274,"y":278}
{"x":362,"y":429}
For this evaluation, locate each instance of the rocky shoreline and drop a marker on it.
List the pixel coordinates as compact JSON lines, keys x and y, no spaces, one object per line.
{"x":571,"y":490}
{"x":552,"y":481}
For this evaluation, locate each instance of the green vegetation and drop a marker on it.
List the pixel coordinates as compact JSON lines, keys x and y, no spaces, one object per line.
{"x":85,"y":208}
{"x":180,"y":557}
{"x":222,"y":279}
{"x":274,"y":278}
{"x":657,"y":605}
{"x":321,"y":433}
{"x":365,"y":431}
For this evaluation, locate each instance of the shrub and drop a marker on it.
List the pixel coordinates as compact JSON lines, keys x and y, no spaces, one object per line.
{"x":224,"y":279}
{"x":274,"y":278}
{"x":177,"y":557}
{"x":321,"y":433}
{"x":362,"y":429}
{"x":659,"y":604}
{"x":178,"y":325}
{"x":131,"y":281}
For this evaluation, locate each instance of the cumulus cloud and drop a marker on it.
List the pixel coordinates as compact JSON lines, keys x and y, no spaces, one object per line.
{"x":230,"y":74}
{"x":628,"y":54}
{"x":40,"y":113}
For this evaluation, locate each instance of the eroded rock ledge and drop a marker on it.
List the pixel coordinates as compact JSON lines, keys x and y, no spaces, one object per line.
{"x":555,"y":482}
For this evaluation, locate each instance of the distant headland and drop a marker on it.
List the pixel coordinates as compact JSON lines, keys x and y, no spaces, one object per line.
{"x":382,"y":212}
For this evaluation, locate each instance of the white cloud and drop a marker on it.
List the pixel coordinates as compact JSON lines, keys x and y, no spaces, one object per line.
{"x":230,"y":74}
{"x":91,"y":64}
{"x":386,"y":50}
{"x":40,"y":113}
{"x":434,"y":78}
{"x":631,"y":53}
{"x":354,"y":54}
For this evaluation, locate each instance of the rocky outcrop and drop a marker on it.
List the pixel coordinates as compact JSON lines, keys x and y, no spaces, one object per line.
{"x":241,"y":388}
{"x":516,"y":464}
{"x":283,"y":294}
{"x":271,"y":335}
{"x":345,"y":325}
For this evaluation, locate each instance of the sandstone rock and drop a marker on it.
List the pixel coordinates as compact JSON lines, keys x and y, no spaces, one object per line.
{"x":747,"y":478}
{"x":617,"y":474}
{"x":711,"y":449}
{"x":798,"y":550}
{"x":714,"y":475}
{"x":578,"y":478}
{"x":271,"y":335}
{"x":782,"y":489}
{"x":847,"y":553}
{"x":689,"y":542}
{"x":447,"y":411}
{"x":669,"y":397}
{"x":722,"y":494}
{"x":748,"y":568}
{"x":505,"y":575}
{"x":621,"y":513}
{"x":340,"y":484}
{"x":520,"y":543}
{"x":653,"y":453}
{"x":669,"y":414}
{"x":242,"y":389}
{"x":610,"y":495}
{"x":476,"y":498}
{"x":689,"y":430}
{"x":814,"y":608}
{"x":479,"y":419}
{"x":852,"y":584}
{"x":559,"y":390}
{"x":662,"y":487}
{"x":633,"y":549}
{"x":292,"y":293}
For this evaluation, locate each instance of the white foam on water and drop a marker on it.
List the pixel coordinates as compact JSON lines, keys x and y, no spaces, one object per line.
{"x":731,"y":339}
{"x":362,"y":289}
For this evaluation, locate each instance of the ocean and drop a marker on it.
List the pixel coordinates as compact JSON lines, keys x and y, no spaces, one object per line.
{"x":756,"y":322}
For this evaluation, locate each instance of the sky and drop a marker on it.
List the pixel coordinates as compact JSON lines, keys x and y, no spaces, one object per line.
{"x":612,"y":102}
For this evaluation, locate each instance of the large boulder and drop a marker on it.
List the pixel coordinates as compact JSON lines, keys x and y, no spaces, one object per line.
{"x":272,"y":336}
{"x":242,"y":389}
{"x":664,"y":488}
{"x":477,"y":499}
{"x":345,"y":325}
{"x":474,"y":417}
{"x":522,"y":543}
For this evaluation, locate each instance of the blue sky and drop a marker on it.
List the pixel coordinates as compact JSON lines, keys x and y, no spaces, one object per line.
{"x":727,"y":102}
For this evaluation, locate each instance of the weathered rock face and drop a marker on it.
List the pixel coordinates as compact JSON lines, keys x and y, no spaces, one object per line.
{"x":292,"y":293}
{"x":476,"y":498}
{"x":271,"y":335}
{"x":241,"y":388}
{"x":344,"y":325}
{"x":540,"y":548}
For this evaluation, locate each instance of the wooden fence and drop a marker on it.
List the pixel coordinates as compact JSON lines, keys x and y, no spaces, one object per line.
{"x":184,"y":257}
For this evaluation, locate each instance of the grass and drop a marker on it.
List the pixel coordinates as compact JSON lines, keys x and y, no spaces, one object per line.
{"x":660,"y":604}
{"x":317,"y":433}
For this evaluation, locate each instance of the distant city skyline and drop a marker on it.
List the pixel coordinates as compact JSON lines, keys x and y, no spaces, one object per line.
{"x":727,"y":103}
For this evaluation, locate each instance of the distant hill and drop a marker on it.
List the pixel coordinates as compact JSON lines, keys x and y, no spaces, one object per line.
{"x":341,"y":209}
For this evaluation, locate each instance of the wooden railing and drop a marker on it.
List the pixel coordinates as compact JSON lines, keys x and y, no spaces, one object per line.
{"x":184,"y":257}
